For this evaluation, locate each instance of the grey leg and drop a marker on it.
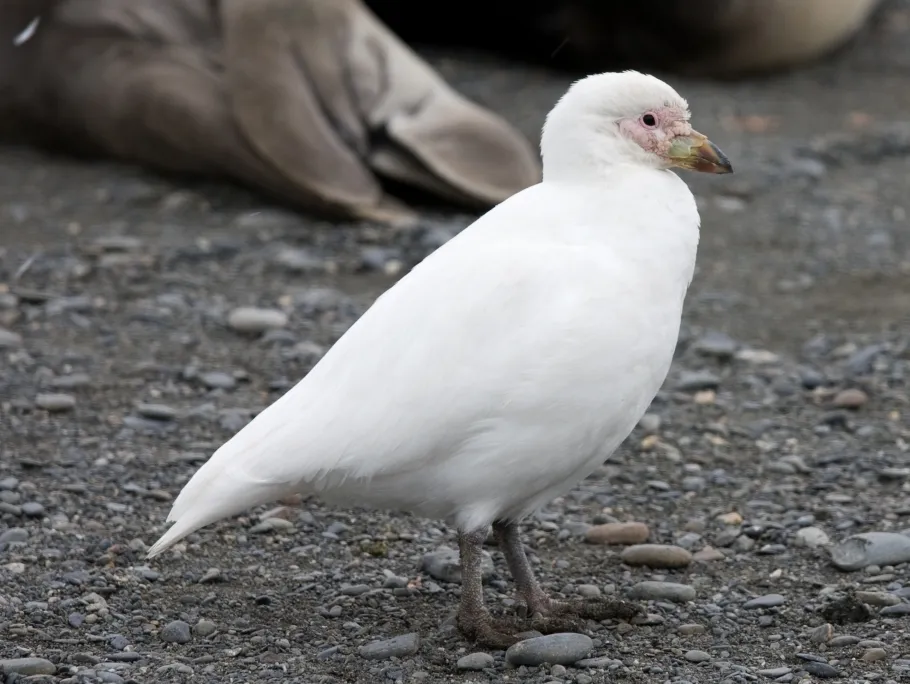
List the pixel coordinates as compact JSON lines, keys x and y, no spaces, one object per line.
{"x":546,"y":614}
{"x":474,"y":620}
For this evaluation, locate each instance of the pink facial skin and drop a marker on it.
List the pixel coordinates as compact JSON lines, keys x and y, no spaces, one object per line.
{"x":669,"y":122}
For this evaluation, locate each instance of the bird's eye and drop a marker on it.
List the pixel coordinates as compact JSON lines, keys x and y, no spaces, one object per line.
{"x":649,"y":120}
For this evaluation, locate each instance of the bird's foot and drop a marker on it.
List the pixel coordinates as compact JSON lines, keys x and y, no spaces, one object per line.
{"x":549,"y":616}
{"x":486,"y":631}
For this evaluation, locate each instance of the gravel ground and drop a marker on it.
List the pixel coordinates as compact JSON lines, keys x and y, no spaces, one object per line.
{"x":130,"y":352}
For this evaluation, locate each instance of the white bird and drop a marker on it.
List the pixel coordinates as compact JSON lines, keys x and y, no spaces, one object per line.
{"x":510,"y":363}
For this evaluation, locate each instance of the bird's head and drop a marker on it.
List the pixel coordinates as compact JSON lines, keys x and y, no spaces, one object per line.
{"x":625,"y":118}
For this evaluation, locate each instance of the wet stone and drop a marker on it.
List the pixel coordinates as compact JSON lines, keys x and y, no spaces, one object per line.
{"x":555,"y":649}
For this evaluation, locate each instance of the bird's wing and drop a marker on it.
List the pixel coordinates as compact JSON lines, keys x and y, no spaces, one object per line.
{"x":426,"y":364}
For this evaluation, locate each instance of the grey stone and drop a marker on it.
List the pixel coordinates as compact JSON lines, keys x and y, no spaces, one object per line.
{"x":475,"y":661}
{"x":766,"y":601}
{"x":9,"y":339}
{"x":176,"y":632}
{"x":14,"y":534}
{"x":694,"y":381}
{"x":396,"y":647}
{"x":27,"y":666}
{"x":250,"y":319}
{"x":555,"y":649}
{"x":662,"y":591}
{"x":204,"y":628}
{"x":695,"y":656}
{"x":811,"y":537}
{"x":55,"y":402}
{"x":870,"y":548}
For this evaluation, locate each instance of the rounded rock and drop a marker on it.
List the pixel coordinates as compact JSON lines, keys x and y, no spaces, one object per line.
{"x":695,"y":656}
{"x":176,"y":632}
{"x":850,"y":398}
{"x":475,"y":661}
{"x":251,"y":319}
{"x":204,"y":628}
{"x":399,"y":646}
{"x":766,"y":601}
{"x":618,"y":533}
{"x":870,"y":548}
{"x":657,"y":556}
{"x":27,"y":666}
{"x":662,"y":591}
{"x":55,"y":402}
{"x":555,"y":649}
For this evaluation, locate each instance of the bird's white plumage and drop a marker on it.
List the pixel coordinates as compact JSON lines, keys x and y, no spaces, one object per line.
{"x":507,"y":365}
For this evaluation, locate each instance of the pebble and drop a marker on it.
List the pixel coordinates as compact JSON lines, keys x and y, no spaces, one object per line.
{"x":250,"y":319}
{"x":13,"y":534}
{"x":811,"y":537}
{"x":821,"y":670}
{"x":657,"y":556}
{"x":156,"y":411}
{"x":870,"y":548}
{"x":27,"y":666}
{"x":662,"y":591}
{"x":694,"y":381}
{"x":443,"y":564}
{"x":218,"y":380}
{"x":204,"y":628}
{"x":555,"y":649}
{"x":873,"y":598}
{"x":896,"y":609}
{"x":874,"y":655}
{"x":821,"y":634}
{"x":618,"y":533}
{"x":396,"y":647}
{"x":716,"y":344}
{"x":55,"y":402}
{"x":176,"y":632}
{"x":32,"y":509}
{"x":766,"y":601}
{"x":695,"y":656}
{"x":850,"y":399}
{"x":775,"y":672}
{"x":475,"y":661}
{"x":9,"y":339}
{"x":692,"y":629}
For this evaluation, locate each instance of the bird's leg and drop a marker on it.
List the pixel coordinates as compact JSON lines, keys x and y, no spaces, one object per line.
{"x":474,"y":620}
{"x":547,"y":615}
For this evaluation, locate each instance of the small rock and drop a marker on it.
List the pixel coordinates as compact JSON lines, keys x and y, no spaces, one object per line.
{"x":554,"y":649}
{"x":850,"y":399}
{"x":873,"y":598}
{"x":766,"y":601}
{"x":443,"y":564}
{"x":821,"y":670}
{"x":694,"y":656}
{"x":475,"y":661}
{"x":399,"y":646}
{"x":9,"y":339}
{"x":218,"y":380}
{"x":716,"y":344}
{"x":27,"y":666}
{"x":32,"y":509}
{"x":775,"y":672}
{"x":896,"y":609}
{"x":55,"y":403}
{"x":692,"y":629}
{"x":656,"y":556}
{"x":618,"y":533}
{"x":707,"y":555}
{"x":250,"y":319}
{"x":870,"y":548}
{"x":176,"y":632}
{"x":694,"y":381}
{"x":874,"y":655}
{"x":811,"y":537}
{"x":821,"y":634}
{"x":204,"y":628}
{"x":13,"y":534}
{"x":843,"y":640}
{"x":662,"y":591}
{"x":156,"y":411}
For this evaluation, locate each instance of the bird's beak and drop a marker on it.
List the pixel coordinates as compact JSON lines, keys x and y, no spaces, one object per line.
{"x":696,"y":153}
